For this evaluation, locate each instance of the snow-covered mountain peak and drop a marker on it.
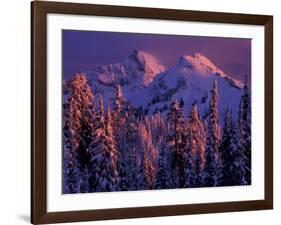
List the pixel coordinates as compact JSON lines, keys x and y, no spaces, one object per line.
{"x":201,"y":64}
{"x":148,"y":65}
{"x":149,"y":85}
{"x":137,"y":70}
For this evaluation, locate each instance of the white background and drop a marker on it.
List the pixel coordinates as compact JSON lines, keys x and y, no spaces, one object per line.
{"x":15,"y":113}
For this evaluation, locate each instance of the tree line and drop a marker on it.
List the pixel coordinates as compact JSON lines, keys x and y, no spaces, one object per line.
{"x":117,"y":149}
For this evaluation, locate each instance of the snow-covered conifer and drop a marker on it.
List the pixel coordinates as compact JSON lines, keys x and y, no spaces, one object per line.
{"x":195,"y":149}
{"x":233,"y":158}
{"x":118,"y":101}
{"x":244,"y":126}
{"x":142,"y":181}
{"x":77,"y":129}
{"x":213,"y":167}
{"x":126,"y":133}
{"x":176,"y":142}
{"x":104,"y":174}
{"x":163,"y":175}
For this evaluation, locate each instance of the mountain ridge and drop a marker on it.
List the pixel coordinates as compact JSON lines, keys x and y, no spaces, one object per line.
{"x":150,"y":85}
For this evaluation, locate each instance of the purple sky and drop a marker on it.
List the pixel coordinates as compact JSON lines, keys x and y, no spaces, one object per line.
{"x":83,"y":50}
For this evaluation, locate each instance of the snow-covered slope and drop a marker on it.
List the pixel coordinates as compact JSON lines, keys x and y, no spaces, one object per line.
{"x":149,"y":84}
{"x":134,"y":73}
{"x":205,"y":67}
{"x":140,"y":67}
{"x":191,"y":80}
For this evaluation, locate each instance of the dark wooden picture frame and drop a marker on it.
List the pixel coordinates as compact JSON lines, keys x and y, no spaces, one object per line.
{"x":40,"y":9}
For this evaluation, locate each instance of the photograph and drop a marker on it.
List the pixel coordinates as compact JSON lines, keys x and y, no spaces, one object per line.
{"x":144,"y":112}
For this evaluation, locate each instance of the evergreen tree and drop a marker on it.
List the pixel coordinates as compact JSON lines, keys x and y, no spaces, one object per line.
{"x":176,"y":142}
{"x":125,"y":131}
{"x":189,"y":171}
{"x":163,"y":175}
{"x":149,"y":171}
{"x":244,"y":127}
{"x":240,"y":166}
{"x":104,"y":174}
{"x":147,"y":152}
{"x":118,"y":103}
{"x":157,"y":129}
{"x":111,"y":143}
{"x":233,"y":158}
{"x":77,"y":129}
{"x":142,"y":179}
{"x":213,"y":167}
{"x":130,"y":171}
{"x":119,"y":120}
{"x":119,"y":130}
{"x":195,"y":150}
{"x":225,"y":149}
{"x":128,"y":147}
{"x":70,"y":172}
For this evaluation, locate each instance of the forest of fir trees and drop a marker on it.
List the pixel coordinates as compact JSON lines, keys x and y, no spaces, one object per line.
{"x":117,"y":149}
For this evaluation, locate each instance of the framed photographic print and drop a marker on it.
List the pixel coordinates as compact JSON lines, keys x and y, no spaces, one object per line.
{"x":142,"y":112}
